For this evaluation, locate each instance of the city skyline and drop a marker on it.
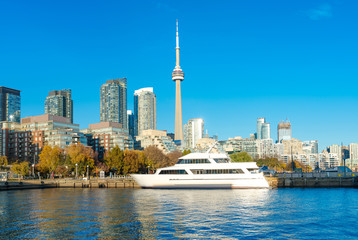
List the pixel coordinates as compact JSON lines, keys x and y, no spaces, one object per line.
{"x":222,"y":70}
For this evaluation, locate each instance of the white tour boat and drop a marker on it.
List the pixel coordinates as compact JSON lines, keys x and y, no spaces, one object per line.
{"x":204,"y":170}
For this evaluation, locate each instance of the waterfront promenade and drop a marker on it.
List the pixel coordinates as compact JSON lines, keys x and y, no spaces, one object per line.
{"x":282,"y":180}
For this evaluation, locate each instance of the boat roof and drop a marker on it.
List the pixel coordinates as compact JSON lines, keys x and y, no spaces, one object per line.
{"x":204,"y":155}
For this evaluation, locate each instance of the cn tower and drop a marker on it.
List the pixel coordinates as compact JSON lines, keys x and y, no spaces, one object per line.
{"x":178,"y":76}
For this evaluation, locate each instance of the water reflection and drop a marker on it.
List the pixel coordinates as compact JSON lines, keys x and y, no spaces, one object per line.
{"x":178,"y":214}
{"x":199,"y":213}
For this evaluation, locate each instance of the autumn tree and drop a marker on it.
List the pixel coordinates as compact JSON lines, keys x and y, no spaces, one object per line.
{"x":82,"y":155}
{"x":114,"y":159}
{"x":20,"y":168}
{"x":241,"y":157}
{"x":50,"y":159}
{"x":295,"y":164}
{"x":272,"y":163}
{"x":3,"y":162}
{"x":174,"y":157}
{"x":155,"y":157}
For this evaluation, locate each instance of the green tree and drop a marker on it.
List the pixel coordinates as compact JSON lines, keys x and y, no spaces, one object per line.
{"x":114,"y":160}
{"x":241,"y":157}
{"x":272,"y":163}
{"x":186,"y":152}
{"x":50,"y":159}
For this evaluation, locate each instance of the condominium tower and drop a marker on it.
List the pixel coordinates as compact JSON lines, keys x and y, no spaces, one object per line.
{"x":145,"y":110}
{"x":193,"y":131}
{"x":113,"y":106}
{"x":260,"y":121}
{"x":263,"y":129}
{"x":59,"y":103}
{"x":10,"y":105}
{"x":178,"y":76}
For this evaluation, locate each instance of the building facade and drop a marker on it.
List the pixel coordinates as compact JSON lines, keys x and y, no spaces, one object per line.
{"x":145,"y":110}
{"x":157,"y":138}
{"x":60,"y":103}
{"x":193,"y":131}
{"x":265,"y":131}
{"x":104,"y":136}
{"x":310,"y":146}
{"x":259,"y":123}
{"x":113,"y":105}
{"x":130,"y":123}
{"x":284,"y":131}
{"x":352,"y":162}
{"x":337,"y":149}
{"x":25,"y":141}
{"x":10,"y":105}
{"x":292,"y":146}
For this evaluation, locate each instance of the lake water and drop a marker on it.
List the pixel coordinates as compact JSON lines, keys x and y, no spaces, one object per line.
{"x":179,"y":214}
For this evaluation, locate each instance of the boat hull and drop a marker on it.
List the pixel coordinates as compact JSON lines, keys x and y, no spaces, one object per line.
{"x":202,"y":182}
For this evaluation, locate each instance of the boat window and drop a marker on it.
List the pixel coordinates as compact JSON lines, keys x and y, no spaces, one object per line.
{"x":217,"y":171}
{"x":221,"y":160}
{"x":173,"y":172}
{"x":253,"y":170}
{"x":193,"y":161}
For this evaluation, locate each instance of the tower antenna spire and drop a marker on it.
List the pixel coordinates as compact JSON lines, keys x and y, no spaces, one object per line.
{"x":177,"y":77}
{"x":177,"y":46}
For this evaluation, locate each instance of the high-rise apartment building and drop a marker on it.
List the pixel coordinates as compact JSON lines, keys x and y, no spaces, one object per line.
{"x":130,"y":123}
{"x":10,"y":105}
{"x":284,"y":131}
{"x":113,"y":106}
{"x":260,"y":121}
{"x":145,"y":110}
{"x":265,"y":131}
{"x":59,"y":103}
{"x":193,"y":131}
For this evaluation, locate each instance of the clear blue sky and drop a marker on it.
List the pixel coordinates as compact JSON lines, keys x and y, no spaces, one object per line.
{"x":242,"y":60}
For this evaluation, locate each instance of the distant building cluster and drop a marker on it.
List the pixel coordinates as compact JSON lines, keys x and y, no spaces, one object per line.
{"x":23,"y":139}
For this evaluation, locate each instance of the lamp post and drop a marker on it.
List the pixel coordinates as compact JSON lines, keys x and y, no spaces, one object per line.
{"x":148,"y":169}
{"x":33,"y":170}
{"x":76,"y":170}
{"x":87,"y":172}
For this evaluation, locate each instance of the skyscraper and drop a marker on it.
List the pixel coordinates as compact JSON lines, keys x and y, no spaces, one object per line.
{"x":193,"y":131}
{"x":59,"y":103}
{"x":284,"y":131}
{"x":113,"y":107}
{"x":260,"y":121}
{"x":145,"y":110}
{"x":178,"y":76}
{"x":130,"y":123}
{"x":265,"y":131}
{"x":10,"y":105}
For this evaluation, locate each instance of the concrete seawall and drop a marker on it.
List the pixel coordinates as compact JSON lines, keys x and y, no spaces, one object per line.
{"x":68,"y":183}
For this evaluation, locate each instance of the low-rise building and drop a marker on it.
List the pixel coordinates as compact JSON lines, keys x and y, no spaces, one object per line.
{"x":104,"y":136}
{"x":157,"y":138}
{"x":25,"y":141}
